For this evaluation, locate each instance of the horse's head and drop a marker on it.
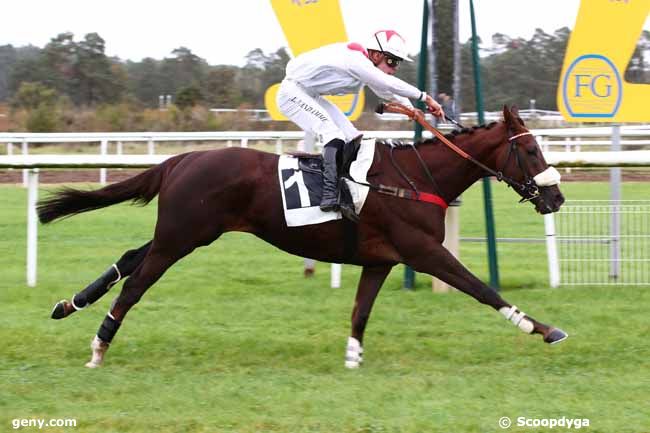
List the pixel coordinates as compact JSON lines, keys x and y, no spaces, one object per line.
{"x":522,"y":162}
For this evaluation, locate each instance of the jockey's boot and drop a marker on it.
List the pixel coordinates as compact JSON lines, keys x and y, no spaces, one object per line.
{"x":330,"y":200}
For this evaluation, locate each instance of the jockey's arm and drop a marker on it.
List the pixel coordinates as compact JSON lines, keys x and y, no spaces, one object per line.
{"x":392,"y":88}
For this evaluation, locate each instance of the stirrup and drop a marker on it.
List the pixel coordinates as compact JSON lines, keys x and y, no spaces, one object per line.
{"x":349,"y":213}
{"x":330,"y":207}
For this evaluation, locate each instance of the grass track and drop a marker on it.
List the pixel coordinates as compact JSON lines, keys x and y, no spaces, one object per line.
{"x":233,"y":339}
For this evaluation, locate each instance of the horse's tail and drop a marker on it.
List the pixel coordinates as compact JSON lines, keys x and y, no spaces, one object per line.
{"x":141,"y":188}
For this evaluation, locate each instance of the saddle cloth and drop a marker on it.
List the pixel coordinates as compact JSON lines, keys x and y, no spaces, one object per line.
{"x":302,"y":187}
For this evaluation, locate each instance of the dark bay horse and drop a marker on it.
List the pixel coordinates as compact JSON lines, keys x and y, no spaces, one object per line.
{"x":204,"y":194}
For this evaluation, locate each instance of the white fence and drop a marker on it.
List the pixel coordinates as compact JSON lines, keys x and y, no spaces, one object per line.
{"x":566,"y":139}
{"x":229,"y":138}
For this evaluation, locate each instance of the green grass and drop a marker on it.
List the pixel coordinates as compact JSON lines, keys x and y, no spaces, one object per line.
{"x":234,"y":339}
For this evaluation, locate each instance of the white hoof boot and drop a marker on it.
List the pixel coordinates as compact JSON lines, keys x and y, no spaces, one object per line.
{"x":99,"y":349}
{"x":353,"y":353}
{"x":518,"y":318}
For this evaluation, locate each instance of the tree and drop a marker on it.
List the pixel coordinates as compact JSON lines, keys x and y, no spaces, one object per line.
{"x":96,"y":79}
{"x":7,"y":61}
{"x":220,"y":87}
{"x":145,"y":81}
{"x":516,"y":71}
{"x":184,"y":69}
{"x":188,"y":97}
{"x":260,"y":72}
{"x":445,"y":46}
{"x":32,"y":95}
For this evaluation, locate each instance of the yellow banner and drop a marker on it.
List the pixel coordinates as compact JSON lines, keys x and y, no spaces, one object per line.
{"x":309,"y":24}
{"x":592,"y":87}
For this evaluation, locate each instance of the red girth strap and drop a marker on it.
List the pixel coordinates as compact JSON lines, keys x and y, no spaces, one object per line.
{"x":411,"y":195}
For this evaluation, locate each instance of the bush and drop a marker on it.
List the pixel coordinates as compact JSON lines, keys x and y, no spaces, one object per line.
{"x":44,"y":118}
{"x":188,"y":97}
{"x":31,"y":96}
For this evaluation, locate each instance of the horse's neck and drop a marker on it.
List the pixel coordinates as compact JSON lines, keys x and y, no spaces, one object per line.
{"x":453,"y":173}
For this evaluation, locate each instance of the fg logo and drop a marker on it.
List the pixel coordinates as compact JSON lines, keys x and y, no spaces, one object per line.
{"x":592,"y":87}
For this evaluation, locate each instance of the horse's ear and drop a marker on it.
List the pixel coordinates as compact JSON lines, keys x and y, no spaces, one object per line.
{"x":514,"y":111}
{"x":507,"y":116}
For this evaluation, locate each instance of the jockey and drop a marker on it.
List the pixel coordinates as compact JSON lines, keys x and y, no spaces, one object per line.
{"x":343,"y":68}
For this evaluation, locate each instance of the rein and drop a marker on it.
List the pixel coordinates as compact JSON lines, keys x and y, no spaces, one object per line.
{"x":528,"y":187}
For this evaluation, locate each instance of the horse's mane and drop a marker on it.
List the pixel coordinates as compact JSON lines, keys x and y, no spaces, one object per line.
{"x":455,"y":133}
{"x":458,"y":132}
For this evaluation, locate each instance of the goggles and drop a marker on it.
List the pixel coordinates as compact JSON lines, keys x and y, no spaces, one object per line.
{"x":392,"y":61}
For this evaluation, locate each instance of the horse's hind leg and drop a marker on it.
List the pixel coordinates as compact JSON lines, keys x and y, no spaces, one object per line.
{"x":443,"y":265}
{"x":98,"y":288}
{"x":372,"y":278}
{"x":154,"y":265}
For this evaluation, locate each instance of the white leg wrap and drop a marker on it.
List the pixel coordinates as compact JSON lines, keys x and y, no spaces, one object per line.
{"x":518,"y":318}
{"x":98,"y":350}
{"x":75,"y":307}
{"x":353,"y":353}
{"x":119,"y":276}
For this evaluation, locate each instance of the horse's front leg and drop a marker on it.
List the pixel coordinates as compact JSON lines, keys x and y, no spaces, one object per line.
{"x":443,"y":265}
{"x":370,"y":283}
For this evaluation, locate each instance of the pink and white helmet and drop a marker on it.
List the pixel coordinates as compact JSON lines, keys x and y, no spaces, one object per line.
{"x":391,"y":42}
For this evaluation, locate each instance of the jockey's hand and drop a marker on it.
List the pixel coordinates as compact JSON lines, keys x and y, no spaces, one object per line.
{"x":433,"y":107}
{"x":418,"y":115}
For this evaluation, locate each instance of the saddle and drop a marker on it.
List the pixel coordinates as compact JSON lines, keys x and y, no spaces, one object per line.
{"x":313,"y":163}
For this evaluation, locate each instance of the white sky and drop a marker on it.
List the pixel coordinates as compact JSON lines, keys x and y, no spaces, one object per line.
{"x":224,"y":31}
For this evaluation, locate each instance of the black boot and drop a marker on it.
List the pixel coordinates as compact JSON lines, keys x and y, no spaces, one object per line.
{"x":330,"y":200}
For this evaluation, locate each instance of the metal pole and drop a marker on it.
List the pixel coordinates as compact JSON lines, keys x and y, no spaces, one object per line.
{"x":551,"y":250}
{"x":433,"y":68}
{"x":457,"y":64}
{"x":487,"y":189}
{"x":335,"y":277}
{"x":32,"y":226}
{"x":103,"y":150}
{"x":25,"y":149}
{"x":409,"y":274}
{"x":615,"y":200}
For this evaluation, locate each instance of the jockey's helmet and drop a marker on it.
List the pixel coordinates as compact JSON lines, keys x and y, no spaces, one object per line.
{"x":390,"y":42}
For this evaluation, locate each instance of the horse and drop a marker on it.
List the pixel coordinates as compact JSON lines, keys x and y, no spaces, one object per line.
{"x":204,"y":194}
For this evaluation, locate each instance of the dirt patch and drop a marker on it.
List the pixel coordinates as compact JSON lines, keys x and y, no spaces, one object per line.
{"x":67,"y":176}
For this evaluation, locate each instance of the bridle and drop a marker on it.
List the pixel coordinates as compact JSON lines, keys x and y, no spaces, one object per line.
{"x":529,"y":189}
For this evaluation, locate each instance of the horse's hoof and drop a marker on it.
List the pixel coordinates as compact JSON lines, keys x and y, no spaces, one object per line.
{"x":309,"y":272}
{"x":555,"y":336}
{"x":59,"y":310}
{"x":91,"y":364}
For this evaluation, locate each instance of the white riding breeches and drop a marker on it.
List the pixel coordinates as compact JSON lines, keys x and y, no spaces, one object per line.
{"x":314,"y":114}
